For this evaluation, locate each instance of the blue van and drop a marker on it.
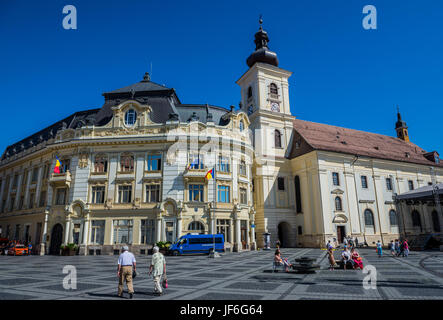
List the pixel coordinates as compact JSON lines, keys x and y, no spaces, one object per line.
{"x":198,"y":243}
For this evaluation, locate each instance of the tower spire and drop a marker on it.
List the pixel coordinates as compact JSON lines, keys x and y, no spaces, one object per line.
{"x":262,"y":52}
{"x":401,"y":127}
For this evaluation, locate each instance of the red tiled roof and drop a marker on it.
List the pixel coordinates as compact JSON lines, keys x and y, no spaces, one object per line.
{"x":337,"y":139}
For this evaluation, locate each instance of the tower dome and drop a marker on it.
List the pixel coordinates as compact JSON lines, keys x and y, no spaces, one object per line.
{"x":262,"y":52}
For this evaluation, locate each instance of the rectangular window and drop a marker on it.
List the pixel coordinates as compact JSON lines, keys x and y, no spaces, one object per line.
{"x":152,"y":193}
{"x":3,"y":206}
{"x":101,"y":164}
{"x":364,"y":182}
{"x":66,"y":165}
{"x":196,"y":192}
{"x":20,"y":203}
{"x":389,"y":184}
{"x":127,"y":163}
{"x":335,"y":179}
{"x":223,"y":164}
{"x":154,"y":162}
{"x":11,"y":204}
{"x":147,"y":231}
{"x":38,"y":233}
{"x":224,"y":228}
{"x":98,"y":231}
{"x":17,"y":232}
{"x":243,"y":196}
{"x":98,"y":194}
{"x":122,"y":231}
{"x":60,"y":196}
{"x":31,"y":200}
{"x":42,"y":202}
{"x":223,"y":194}
{"x":34,"y":175}
{"x":195,"y":161}
{"x":411,"y":184}
{"x":281,"y":183}
{"x":15,"y":182}
{"x":124,"y":194}
{"x":242,"y":168}
{"x":46,"y":171}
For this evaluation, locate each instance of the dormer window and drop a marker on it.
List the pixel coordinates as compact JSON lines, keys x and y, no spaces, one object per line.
{"x":130,"y":117}
{"x":242,"y":125}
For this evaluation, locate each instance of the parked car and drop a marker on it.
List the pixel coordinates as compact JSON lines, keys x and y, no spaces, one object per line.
{"x":198,"y":243}
{"x":18,"y":250}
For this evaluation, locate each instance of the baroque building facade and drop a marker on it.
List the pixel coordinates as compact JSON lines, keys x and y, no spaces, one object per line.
{"x":134,"y":172}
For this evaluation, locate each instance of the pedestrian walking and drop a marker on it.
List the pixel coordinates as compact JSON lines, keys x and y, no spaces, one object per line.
{"x":29,"y":248}
{"x":379,"y":249}
{"x":392,"y":248}
{"x":345,"y":241}
{"x":158,"y":269}
{"x":405,"y":248}
{"x":126,"y":265}
{"x":397,"y":247}
{"x":356,"y":241}
{"x":329,"y":245}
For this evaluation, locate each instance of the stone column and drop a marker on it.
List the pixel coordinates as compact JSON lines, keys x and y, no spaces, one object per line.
{"x":231,"y":232}
{"x":248,"y":239}
{"x":237,"y":242}
{"x":45,"y":232}
{"x":179,"y":227}
{"x":158,"y":229}
{"x":27,"y":181}
{"x":67,"y":230}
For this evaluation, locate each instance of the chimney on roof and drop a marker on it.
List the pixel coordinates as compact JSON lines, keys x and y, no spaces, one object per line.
{"x":401,"y":127}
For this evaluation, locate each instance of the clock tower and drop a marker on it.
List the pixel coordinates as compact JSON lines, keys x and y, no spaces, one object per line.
{"x":265,"y":99}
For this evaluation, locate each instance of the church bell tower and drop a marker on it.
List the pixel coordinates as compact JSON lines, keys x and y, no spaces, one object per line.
{"x":401,"y":128}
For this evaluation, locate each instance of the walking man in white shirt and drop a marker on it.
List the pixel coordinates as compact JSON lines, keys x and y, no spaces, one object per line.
{"x":158,"y":265}
{"x":126,"y":261}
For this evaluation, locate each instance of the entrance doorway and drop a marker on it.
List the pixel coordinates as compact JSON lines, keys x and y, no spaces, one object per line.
{"x":170,"y":230}
{"x":341,"y":233}
{"x":284,"y":233}
{"x":56,"y":239}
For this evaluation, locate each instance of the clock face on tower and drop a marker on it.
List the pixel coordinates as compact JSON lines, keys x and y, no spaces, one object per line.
{"x":275,"y":107}
{"x":250,"y":110}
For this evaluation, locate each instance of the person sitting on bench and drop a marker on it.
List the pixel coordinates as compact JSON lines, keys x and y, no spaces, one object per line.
{"x":279,"y":261}
{"x":346,"y":257}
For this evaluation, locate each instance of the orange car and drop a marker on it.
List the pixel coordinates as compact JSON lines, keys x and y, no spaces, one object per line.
{"x":18,"y":250}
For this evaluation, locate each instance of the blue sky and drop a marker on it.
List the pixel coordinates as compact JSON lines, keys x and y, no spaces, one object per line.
{"x":342,"y":74}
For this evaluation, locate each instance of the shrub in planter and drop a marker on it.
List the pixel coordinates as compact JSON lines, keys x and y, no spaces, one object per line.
{"x":69,"y":250}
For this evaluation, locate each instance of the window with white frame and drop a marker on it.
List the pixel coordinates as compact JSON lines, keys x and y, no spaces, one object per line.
{"x":281,"y":184}
{"x":223,"y":194}
{"x":196,"y":192}
{"x":147,"y":231}
{"x":60,"y":198}
{"x":197,"y":227}
{"x":152,"y":192}
{"x":335,"y":179}
{"x":223,"y":227}
{"x":126,"y":162}
{"x":130,"y":117}
{"x":195,"y":161}
{"x":124,"y":194}
{"x":98,"y":194}
{"x":389,"y":184}
{"x":101,"y":163}
{"x":98,"y":231}
{"x":242,"y":168}
{"x":411,"y":184}
{"x":223,"y":164}
{"x":122,"y":231}
{"x":364,"y":182}
{"x":154,"y":162}
{"x":243,"y":196}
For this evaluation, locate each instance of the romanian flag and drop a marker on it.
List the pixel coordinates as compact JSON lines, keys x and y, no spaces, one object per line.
{"x":211,"y":174}
{"x":58,"y":165}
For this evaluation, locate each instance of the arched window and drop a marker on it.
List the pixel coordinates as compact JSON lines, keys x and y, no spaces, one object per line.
{"x":101,"y":163}
{"x":297,"y":194}
{"x":393,"y":218}
{"x":126,"y":162}
{"x":273,"y":89}
{"x":242,"y":125}
{"x":436,"y":221}
{"x":196,"y":226}
{"x":277,"y":139}
{"x":369,"y":218}
{"x":416,"y":221}
{"x":338,"y":205}
{"x":130,"y":117}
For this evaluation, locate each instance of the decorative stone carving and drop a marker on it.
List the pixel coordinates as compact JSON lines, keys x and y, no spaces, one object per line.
{"x":83,"y":160}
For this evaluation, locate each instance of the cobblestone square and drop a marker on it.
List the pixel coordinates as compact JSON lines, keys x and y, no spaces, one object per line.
{"x":233,"y":276}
